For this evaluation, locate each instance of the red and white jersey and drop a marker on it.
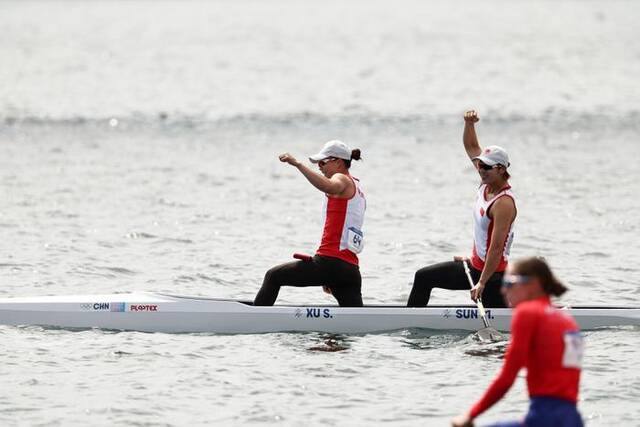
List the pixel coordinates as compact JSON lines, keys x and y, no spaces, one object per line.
{"x":340,"y":215}
{"x":483,"y":227}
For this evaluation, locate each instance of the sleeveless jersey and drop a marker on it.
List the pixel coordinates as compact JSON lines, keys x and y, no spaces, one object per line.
{"x":483,"y":227}
{"x":340,"y":214}
{"x":547,"y":342}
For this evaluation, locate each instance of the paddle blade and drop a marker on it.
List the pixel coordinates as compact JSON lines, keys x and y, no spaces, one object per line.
{"x":490,"y":334}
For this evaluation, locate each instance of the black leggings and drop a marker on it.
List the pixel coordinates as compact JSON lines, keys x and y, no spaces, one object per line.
{"x":450,"y":275}
{"x":340,"y":276}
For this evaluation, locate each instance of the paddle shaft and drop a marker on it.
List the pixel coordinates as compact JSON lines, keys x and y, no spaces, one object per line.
{"x":479,"y":304}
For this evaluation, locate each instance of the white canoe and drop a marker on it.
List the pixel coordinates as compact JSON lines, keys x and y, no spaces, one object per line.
{"x":155,"y":312}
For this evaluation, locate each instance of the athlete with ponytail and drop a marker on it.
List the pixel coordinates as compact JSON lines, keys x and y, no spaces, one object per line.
{"x":544,"y":340}
{"x":335,"y":264}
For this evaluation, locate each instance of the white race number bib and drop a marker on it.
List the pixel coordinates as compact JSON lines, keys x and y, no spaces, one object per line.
{"x":573,"y":350}
{"x":355,"y":240}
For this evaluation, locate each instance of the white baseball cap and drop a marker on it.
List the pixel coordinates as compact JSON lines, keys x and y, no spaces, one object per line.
{"x":494,"y":155}
{"x":333,"y":148}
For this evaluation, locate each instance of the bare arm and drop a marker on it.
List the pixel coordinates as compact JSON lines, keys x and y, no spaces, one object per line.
{"x":335,"y":185}
{"x":503,"y":212}
{"x":469,"y":137}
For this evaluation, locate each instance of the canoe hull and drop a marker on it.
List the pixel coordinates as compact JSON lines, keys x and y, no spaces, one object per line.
{"x":150,"y":312}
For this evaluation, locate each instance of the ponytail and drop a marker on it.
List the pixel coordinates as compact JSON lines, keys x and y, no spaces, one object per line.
{"x":355,"y":155}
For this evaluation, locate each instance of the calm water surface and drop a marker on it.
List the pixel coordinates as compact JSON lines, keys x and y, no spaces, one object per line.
{"x":138,"y":151}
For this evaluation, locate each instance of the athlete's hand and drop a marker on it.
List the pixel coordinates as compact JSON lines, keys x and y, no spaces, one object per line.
{"x":460,"y":258}
{"x":476,"y":291}
{"x":471,"y":116}
{"x":462,"y":421}
{"x":327,"y":290}
{"x":288,"y":158}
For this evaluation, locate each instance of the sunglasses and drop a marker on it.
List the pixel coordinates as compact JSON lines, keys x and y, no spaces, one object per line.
{"x":486,"y":167}
{"x":325,"y":161}
{"x":514,"y":279}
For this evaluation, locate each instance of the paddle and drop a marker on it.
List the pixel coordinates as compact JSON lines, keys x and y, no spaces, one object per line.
{"x":487,"y":333}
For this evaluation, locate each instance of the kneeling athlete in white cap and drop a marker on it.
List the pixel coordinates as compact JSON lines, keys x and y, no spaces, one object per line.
{"x":493,"y":217}
{"x":335,"y":264}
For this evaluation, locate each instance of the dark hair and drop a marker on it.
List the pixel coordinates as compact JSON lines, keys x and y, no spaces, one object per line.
{"x":355,"y":155}
{"x":538,"y":267}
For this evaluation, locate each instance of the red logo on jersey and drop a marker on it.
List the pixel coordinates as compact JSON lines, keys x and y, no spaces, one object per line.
{"x":481,"y":212}
{"x":487,"y":151}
